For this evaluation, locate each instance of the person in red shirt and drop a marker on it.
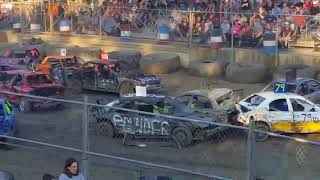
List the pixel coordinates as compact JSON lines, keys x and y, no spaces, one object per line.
{"x":245,"y":34}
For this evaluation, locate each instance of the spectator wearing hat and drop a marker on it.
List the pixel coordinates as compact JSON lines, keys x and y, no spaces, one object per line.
{"x":285,"y":35}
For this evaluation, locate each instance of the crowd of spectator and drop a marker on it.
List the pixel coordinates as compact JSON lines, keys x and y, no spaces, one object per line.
{"x":255,"y":21}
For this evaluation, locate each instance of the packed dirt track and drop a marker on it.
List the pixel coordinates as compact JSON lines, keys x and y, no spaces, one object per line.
{"x":224,"y":154}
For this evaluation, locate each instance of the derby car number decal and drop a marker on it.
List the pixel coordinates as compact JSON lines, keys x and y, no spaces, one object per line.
{"x":310,"y":117}
{"x":141,"y":125}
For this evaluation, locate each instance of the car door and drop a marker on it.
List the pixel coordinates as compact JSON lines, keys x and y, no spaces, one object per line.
{"x":16,"y":87}
{"x":313,"y":93}
{"x":148,"y":124}
{"x":280,"y":116}
{"x":105,"y":80}
{"x":88,"y":76}
{"x":2,"y":118}
{"x":45,"y":65}
{"x":306,"y":117}
{"x":123,"y":119}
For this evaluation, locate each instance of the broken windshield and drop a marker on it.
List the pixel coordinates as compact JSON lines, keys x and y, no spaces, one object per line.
{"x":72,"y":61}
{"x":255,"y":100}
{"x":39,"y":79}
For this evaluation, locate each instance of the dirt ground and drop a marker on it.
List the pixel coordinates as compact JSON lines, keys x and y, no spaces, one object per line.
{"x":223,"y":155}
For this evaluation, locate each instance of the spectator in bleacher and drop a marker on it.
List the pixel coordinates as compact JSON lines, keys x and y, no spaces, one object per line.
{"x":276,"y":10}
{"x":236,"y":29}
{"x":225,"y":26}
{"x":269,"y":6}
{"x":314,"y":10}
{"x":110,"y":26}
{"x":208,"y":27}
{"x":245,"y":34}
{"x":245,"y":6}
{"x":285,"y":35}
{"x":257,"y":32}
{"x":184,"y":28}
{"x":299,"y":22}
{"x":285,"y":9}
{"x":174,"y":31}
{"x":198,"y":26}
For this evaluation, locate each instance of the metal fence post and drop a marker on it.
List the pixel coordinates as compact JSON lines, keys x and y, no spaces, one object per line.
{"x":251,"y":152}
{"x":190,"y":33}
{"x":277,"y":42}
{"x":232,"y":39}
{"x":85,"y":140}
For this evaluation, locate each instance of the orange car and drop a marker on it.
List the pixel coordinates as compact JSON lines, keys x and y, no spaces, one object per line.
{"x":59,"y":66}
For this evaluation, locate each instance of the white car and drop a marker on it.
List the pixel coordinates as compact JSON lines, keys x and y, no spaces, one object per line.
{"x":279,"y":112}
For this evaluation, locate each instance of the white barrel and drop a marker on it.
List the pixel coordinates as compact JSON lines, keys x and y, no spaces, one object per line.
{"x":163,"y":33}
{"x":216,"y":42}
{"x":35,"y":28}
{"x":16,"y":27}
{"x":126,"y":34}
{"x":269,"y":46}
{"x":215,"y":39}
{"x":64,"y":26}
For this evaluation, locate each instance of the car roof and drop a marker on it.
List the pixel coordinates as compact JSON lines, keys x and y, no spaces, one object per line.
{"x":150,"y":98}
{"x":2,"y":100}
{"x":102,"y":62}
{"x":269,"y":94}
{"x":23,"y":72}
{"x":294,"y":81}
{"x":59,"y":57}
{"x":212,"y":94}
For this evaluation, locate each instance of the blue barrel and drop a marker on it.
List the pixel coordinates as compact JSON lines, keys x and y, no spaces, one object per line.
{"x":269,"y":46}
{"x":163,"y":34}
{"x":64,"y":25}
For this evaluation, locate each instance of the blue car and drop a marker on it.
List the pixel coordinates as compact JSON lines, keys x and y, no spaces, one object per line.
{"x":7,"y":119}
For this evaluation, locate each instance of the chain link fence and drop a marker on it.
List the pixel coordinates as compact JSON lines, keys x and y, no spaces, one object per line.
{"x":128,"y":143}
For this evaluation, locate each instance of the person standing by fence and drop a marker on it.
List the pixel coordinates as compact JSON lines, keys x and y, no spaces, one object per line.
{"x":71,"y":170}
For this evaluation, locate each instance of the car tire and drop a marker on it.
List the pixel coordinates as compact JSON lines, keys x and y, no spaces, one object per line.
{"x":182,"y":136}
{"x":126,"y":88}
{"x":207,"y":68}
{"x":163,"y":63}
{"x":243,"y":73}
{"x":259,"y":136}
{"x":24,"y":105}
{"x":302,"y":71}
{"x":106,"y":129}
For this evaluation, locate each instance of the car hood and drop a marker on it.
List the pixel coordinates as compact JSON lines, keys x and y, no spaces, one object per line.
{"x":144,"y":78}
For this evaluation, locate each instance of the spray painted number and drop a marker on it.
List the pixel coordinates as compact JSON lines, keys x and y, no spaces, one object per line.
{"x":309,"y":117}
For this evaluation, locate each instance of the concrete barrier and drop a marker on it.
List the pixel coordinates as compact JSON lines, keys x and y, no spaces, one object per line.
{"x":186,"y":55}
{"x":8,"y":37}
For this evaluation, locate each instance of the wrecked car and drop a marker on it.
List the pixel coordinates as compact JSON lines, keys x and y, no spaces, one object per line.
{"x":21,"y":56}
{"x":307,"y":87}
{"x":279,"y":112}
{"x":7,"y":119}
{"x":109,"y":77}
{"x":6,"y":175}
{"x":218,"y":102}
{"x":112,"y":122}
{"x":30,"y":83}
{"x":61,"y":68}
